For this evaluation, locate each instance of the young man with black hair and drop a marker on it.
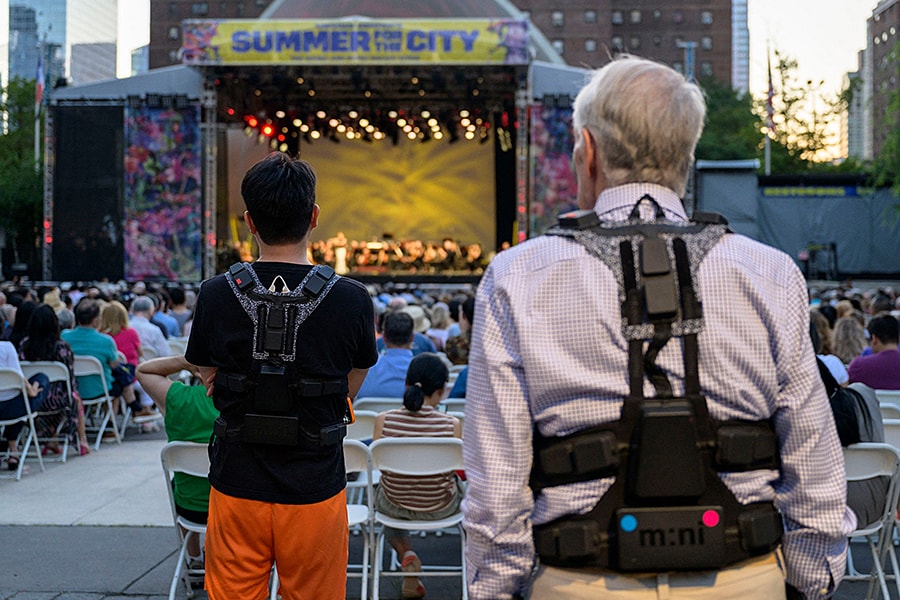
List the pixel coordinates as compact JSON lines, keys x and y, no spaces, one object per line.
{"x":280,"y":503}
{"x":881,"y":369}
{"x":388,"y":377}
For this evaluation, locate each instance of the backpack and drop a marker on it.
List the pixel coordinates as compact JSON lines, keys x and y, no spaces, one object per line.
{"x":846,"y":404}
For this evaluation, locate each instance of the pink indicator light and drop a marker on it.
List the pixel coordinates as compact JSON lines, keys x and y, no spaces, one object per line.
{"x":710,"y":518}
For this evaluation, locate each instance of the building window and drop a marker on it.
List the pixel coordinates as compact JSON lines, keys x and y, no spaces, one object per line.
{"x":617,"y":17}
{"x":706,"y":68}
{"x":590,"y":45}
{"x":173,"y":9}
{"x":262,"y":2}
{"x":706,"y":42}
{"x":174,"y":34}
{"x":173,"y":56}
{"x":677,"y":17}
{"x":557,"y":18}
{"x":657,"y":15}
{"x":657,"y":40}
{"x":200,"y":8}
{"x":590,"y":16}
{"x":617,"y":43}
{"x":559,"y":46}
{"x":635,"y":16}
{"x":635,"y":42}
{"x":706,"y":17}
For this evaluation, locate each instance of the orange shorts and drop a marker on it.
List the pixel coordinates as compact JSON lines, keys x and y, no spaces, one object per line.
{"x":307,"y":541}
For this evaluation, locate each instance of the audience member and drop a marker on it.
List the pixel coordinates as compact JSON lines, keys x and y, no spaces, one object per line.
{"x":179,"y":310}
{"x":848,"y":339}
{"x":881,"y":370}
{"x":387,"y":378}
{"x":86,"y":340}
{"x":23,"y":313}
{"x":823,"y":331}
{"x":169,"y":324}
{"x":457,"y":348}
{"x":151,"y":337}
{"x":189,"y":416}
{"x":440,"y":321}
{"x":421,"y":343}
{"x":66,"y":319}
{"x":11,"y":405}
{"x":43,"y":342}
{"x":430,"y":497}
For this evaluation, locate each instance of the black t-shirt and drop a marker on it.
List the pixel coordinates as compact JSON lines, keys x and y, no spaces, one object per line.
{"x":338,"y":336}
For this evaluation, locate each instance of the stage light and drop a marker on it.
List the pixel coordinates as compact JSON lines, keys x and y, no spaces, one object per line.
{"x":321,"y":114}
{"x":304,"y":127}
{"x":283,"y":147}
{"x":364,"y":122}
{"x":267,"y":130}
{"x":414,"y":80}
{"x":463,"y":113}
{"x":392,"y":114}
{"x":300,"y":80}
{"x":438,"y":135}
{"x":411,"y":135}
{"x":281,"y":137}
{"x":470,"y":135}
{"x":401,"y":122}
{"x":279,"y":114}
{"x":352,"y":114}
{"x":251,"y":121}
{"x":350,"y":134}
{"x":311,"y":93}
{"x":257,"y":93}
{"x":367,"y":94}
{"x":378,"y":135}
{"x":333,"y":123}
{"x":314,"y":134}
{"x":421,"y":93}
{"x":230,"y":112}
{"x":425,"y":114}
{"x":297,"y":123}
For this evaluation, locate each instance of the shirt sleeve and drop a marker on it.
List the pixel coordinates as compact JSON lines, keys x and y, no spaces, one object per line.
{"x":498,"y":455}
{"x":197,"y":351}
{"x":811,"y":492}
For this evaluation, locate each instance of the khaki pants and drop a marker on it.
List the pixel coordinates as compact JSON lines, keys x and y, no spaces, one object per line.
{"x":760,"y":577}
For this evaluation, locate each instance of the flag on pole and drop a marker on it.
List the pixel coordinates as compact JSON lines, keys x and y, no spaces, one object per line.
{"x":39,"y":87}
{"x":770,"y":108}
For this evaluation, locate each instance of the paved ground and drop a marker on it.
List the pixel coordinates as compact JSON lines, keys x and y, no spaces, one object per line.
{"x":99,"y":528}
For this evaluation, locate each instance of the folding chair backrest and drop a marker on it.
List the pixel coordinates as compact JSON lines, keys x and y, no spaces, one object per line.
{"x":12,"y":380}
{"x":417,"y":455}
{"x":888,"y":397}
{"x":870,"y":459}
{"x":190,"y":458}
{"x":89,"y":365}
{"x":54,"y":370}
{"x":892,"y":432}
{"x":453,"y":404}
{"x":889,"y":411}
{"x":364,"y":426}
{"x":357,"y":458}
{"x":377,"y":404}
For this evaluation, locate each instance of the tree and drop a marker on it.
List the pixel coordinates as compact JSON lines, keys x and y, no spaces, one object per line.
{"x":732,"y":131}
{"x":21,"y":188}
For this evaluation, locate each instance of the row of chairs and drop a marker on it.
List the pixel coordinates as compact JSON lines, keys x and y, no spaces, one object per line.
{"x":408,"y":456}
{"x":383,"y":403}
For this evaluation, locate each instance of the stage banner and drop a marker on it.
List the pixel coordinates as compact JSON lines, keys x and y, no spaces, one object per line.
{"x":163,"y":200}
{"x":370,"y":41}
{"x":554,"y":190}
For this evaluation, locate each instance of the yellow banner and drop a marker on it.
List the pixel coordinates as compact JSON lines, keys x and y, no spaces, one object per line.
{"x":371,"y":41}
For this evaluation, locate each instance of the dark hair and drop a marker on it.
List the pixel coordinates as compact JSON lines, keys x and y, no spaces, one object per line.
{"x":279,"y":193}
{"x":398,"y":328}
{"x":23,"y":314}
{"x":43,"y":334}
{"x":86,"y":311}
{"x":814,"y":336}
{"x":427,"y":374}
{"x":468,"y":308}
{"x":177,"y":296}
{"x":883,"y":326}
{"x":829,"y":312}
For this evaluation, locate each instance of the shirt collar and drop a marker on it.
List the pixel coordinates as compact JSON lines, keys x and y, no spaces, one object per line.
{"x":616,"y":202}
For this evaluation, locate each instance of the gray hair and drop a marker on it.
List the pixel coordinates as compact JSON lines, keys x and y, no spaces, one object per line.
{"x":646,"y":119}
{"x":142,"y":304}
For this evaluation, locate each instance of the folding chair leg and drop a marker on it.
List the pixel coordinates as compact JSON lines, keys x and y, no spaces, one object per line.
{"x":176,"y":577}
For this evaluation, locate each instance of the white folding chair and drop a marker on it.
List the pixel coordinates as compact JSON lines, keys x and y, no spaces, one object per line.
{"x":12,"y":381}
{"x":357,"y":459}
{"x":889,"y":411}
{"x":362,"y":429}
{"x":455,"y":405}
{"x":189,"y":458}
{"x":364,"y":425}
{"x":177,"y":345}
{"x":418,"y":456}
{"x":377,"y":404}
{"x":56,"y":372}
{"x":459,"y":415}
{"x":100,"y":407}
{"x":865,"y":461}
{"x":888,"y":397}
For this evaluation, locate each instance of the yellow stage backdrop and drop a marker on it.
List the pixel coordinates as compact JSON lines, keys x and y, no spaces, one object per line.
{"x":413,"y":190}
{"x":363,"y":41}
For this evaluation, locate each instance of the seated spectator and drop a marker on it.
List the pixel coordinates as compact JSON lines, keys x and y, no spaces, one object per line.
{"x":835,"y":365}
{"x":189,"y":416}
{"x":430,"y":497}
{"x":881,"y":370}
{"x":86,"y":340}
{"x":23,"y":313}
{"x":440,"y":321}
{"x":421,"y":343}
{"x":848,"y":339}
{"x":66,"y":319}
{"x":150,"y":335}
{"x":457,"y":348}
{"x":11,"y":405}
{"x":114,"y":323}
{"x":169,"y":324}
{"x":43,"y":342}
{"x":387,"y":378}
{"x":179,"y":310}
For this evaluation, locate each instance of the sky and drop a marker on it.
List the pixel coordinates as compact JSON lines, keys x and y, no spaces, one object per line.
{"x":823,"y":35}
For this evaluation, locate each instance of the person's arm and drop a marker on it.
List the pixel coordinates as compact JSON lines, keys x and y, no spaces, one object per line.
{"x":497,"y":451}
{"x":378,"y":430}
{"x":154,"y":377}
{"x":457,"y":428}
{"x":811,"y":491}
{"x":355,"y":380}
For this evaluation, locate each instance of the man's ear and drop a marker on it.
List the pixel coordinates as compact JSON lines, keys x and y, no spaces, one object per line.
{"x":249,"y":221}
{"x":314,"y":221}
{"x":590,"y":152}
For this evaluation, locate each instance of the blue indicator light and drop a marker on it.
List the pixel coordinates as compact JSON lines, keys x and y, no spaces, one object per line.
{"x":628,"y":523}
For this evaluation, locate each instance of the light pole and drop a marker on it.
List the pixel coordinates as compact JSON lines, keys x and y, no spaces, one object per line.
{"x":689,"y":48}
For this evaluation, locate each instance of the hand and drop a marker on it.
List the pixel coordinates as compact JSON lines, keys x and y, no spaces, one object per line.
{"x":208,"y":377}
{"x":33,"y":389}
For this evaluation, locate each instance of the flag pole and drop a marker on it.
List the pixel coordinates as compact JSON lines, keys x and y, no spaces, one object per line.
{"x":770,"y":115}
{"x":38,"y":100}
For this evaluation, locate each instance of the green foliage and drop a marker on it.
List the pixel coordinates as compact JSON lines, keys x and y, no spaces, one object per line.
{"x":732,"y":130}
{"x":21,"y":188}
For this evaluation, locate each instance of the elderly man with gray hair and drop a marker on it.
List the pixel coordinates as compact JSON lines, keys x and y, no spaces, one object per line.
{"x":151,"y":336}
{"x":606,"y":459}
